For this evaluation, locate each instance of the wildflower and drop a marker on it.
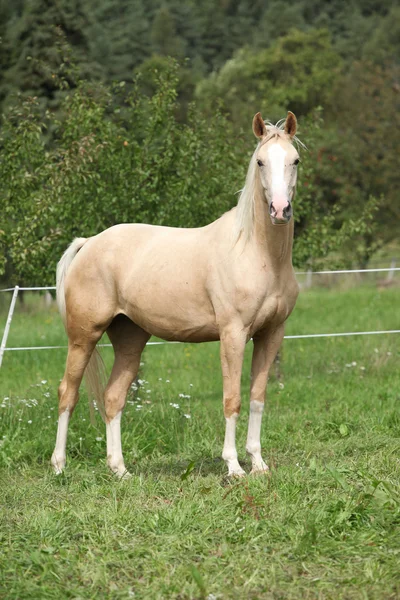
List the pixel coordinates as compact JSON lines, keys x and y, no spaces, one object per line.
{"x":30,"y":421}
{"x":188,"y":416}
{"x":174,"y":405}
{"x":99,"y":439}
{"x":184,"y":396}
{"x":281,"y":385}
{"x":167,"y":381}
{"x":44,"y":381}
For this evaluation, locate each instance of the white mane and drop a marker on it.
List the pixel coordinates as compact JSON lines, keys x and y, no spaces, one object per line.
{"x":245,"y":207}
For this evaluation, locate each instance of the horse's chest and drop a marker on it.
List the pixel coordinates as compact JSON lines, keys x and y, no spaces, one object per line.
{"x":274,"y":309}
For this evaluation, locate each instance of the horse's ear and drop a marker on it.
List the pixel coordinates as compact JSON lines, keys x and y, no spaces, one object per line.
{"x":259,"y":128}
{"x":291,"y":124}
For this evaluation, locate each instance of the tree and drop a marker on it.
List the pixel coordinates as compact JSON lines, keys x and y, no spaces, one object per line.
{"x":297,"y":72}
{"x":119,"y":37}
{"x":40,"y":42}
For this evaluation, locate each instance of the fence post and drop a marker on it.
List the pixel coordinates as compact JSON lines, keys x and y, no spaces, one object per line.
{"x":309,"y":278}
{"x":390,"y":274}
{"x":8,"y":323}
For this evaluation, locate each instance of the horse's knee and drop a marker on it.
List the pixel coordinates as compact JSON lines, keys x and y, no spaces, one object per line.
{"x":67,"y":399}
{"x":114,"y":404}
{"x":231,"y":405}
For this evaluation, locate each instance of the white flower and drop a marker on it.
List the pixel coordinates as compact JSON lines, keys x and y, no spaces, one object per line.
{"x":188,"y":416}
{"x":99,"y":439}
{"x":44,"y":381}
{"x":29,"y":421}
{"x":174,"y":405}
{"x":167,"y":381}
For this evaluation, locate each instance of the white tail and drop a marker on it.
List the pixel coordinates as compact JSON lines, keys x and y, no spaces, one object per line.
{"x":95,"y":375}
{"x":62,"y":269}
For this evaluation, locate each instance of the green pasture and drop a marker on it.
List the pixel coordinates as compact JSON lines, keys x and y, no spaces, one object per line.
{"x":325,"y":524}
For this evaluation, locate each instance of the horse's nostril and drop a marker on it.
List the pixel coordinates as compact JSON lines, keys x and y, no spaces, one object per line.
{"x":287,"y":211}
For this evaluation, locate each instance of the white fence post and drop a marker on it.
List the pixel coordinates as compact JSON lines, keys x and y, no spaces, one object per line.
{"x":390,"y":274}
{"x":8,"y":323}
{"x":309,"y":278}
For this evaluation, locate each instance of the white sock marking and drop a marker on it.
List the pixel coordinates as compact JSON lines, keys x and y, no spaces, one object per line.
{"x":229,"y":453}
{"x":115,"y":459}
{"x":253,"y":445}
{"x":59,"y":455}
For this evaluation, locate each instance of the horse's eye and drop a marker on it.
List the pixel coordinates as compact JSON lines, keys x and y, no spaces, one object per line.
{"x":260,"y":163}
{"x":296,"y":162}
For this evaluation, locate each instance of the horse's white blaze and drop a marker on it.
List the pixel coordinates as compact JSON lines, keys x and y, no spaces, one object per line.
{"x":253,"y":445}
{"x":115,"y":459}
{"x":59,"y":455}
{"x":229,"y":453}
{"x":279,"y":188}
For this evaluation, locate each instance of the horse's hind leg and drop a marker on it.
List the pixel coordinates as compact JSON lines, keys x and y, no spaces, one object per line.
{"x":68,"y":394}
{"x":128,"y":341}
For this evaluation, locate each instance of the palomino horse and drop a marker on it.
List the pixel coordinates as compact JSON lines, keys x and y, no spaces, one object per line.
{"x":231,"y":281}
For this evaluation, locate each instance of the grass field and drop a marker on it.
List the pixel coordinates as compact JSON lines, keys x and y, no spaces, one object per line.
{"x":325,"y":524}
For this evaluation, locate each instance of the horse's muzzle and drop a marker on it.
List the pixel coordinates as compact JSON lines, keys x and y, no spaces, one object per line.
{"x":280,"y":214}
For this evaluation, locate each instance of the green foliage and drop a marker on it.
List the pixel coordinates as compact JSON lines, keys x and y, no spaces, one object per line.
{"x":141,"y":166}
{"x":63,"y":154}
{"x":298,"y":71}
{"x":39,"y":45}
{"x":125,"y":156}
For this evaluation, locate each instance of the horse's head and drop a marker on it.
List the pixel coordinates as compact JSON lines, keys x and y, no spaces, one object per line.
{"x":277,"y":161}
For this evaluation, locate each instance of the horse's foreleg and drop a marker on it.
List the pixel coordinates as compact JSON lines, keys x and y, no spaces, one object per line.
{"x":233,"y":342}
{"x":266,"y":346}
{"x":128,"y":341}
{"x":68,"y":394}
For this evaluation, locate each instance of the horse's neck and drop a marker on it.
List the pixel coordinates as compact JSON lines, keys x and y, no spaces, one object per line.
{"x":276,"y":241}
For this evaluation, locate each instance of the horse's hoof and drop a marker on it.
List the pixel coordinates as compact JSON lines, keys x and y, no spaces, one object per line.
{"x":260,"y":471}
{"x":237,"y":474}
{"x":121,"y":474}
{"x":58,"y":465}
